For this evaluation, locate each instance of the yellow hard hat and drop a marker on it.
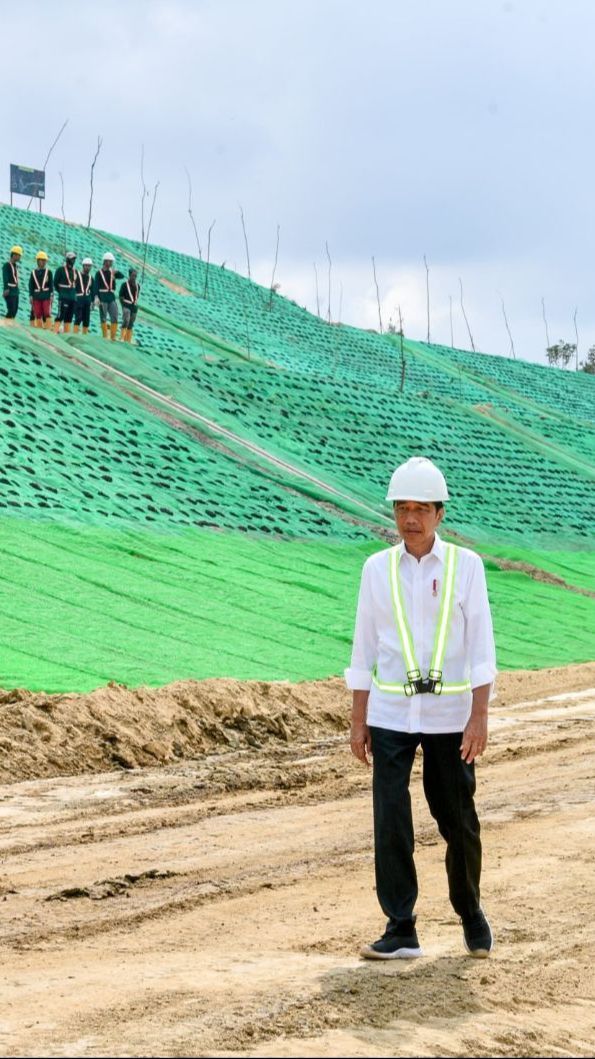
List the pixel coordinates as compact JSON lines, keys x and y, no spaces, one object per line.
{"x":41,"y":256}
{"x":16,"y":250}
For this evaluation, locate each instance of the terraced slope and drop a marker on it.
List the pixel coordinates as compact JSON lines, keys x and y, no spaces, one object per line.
{"x":199,"y":503}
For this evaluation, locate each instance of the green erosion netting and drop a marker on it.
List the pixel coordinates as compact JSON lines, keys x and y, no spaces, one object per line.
{"x":82,"y":605}
{"x":285,"y":428}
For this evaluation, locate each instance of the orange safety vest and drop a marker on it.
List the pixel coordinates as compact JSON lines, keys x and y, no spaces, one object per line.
{"x":69,"y":282}
{"x":132,"y":297}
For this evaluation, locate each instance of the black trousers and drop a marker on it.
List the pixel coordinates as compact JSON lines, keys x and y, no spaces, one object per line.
{"x":449,"y":786}
{"x":82,"y":311}
{"x":65,"y":311}
{"x":12,"y":305}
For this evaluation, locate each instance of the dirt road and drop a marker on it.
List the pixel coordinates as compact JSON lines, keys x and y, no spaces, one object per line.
{"x":216,"y":906}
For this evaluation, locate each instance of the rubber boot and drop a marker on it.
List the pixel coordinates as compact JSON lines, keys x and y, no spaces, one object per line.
{"x":47,"y":323}
{"x":76,"y":328}
{"x":114,"y":330}
{"x":123,"y":334}
{"x":33,"y":322}
{"x":85,"y":330}
{"x":104,"y":330}
{"x":66,"y":328}
{"x":129,"y":335}
{"x":56,"y":327}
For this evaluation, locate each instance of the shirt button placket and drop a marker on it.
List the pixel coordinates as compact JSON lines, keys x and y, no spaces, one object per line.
{"x":417,"y":633}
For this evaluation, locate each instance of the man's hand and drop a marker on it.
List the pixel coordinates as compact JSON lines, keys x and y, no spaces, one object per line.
{"x":475,"y":736}
{"x":361,"y":742}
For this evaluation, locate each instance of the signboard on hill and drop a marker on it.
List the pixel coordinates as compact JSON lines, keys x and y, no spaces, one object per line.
{"x":25,"y":181}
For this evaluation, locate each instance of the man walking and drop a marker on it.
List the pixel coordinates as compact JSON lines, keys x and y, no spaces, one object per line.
{"x":422,"y":668}
{"x":10,"y":282}
{"x":41,"y":287}
{"x":64,"y":286}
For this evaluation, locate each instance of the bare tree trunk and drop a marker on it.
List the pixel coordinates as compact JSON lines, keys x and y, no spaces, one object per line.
{"x":191,"y":215}
{"x":206,"y":288}
{"x":402,"y":351}
{"x":246,"y":242}
{"x":427,"y":297}
{"x":330,"y":266}
{"x":452,"y":338}
{"x":274,"y":269}
{"x":144,"y":193}
{"x":547,"y":332}
{"x":317,"y":291}
{"x":48,"y":156}
{"x":512,"y":350}
{"x":243,"y":297}
{"x":576,"y":334}
{"x":99,"y":143}
{"x":63,"y":214}
{"x":465,"y":317}
{"x":377,"y":294}
{"x":149,"y":229}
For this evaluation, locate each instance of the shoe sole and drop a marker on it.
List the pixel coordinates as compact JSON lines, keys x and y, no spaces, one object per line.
{"x":369,"y":953}
{"x":480,"y":954}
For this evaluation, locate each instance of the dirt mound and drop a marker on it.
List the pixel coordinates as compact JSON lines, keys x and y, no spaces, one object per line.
{"x":118,"y":727}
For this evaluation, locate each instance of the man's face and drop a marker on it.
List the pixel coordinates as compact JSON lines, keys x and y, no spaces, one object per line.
{"x":417,"y":521}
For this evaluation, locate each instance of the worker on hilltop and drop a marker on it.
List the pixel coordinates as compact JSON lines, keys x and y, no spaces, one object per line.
{"x":105,"y":295}
{"x":41,"y":289}
{"x":65,"y":288}
{"x":129,"y":293}
{"x":10,"y":282}
{"x":422,"y":669}
{"x":83,"y":297}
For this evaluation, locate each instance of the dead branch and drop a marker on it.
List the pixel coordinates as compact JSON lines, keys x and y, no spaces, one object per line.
{"x":377,"y":294}
{"x":99,"y":143}
{"x":427,"y":297}
{"x":576,"y":334}
{"x":274,"y":269}
{"x":62,"y":208}
{"x":149,"y":228}
{"x":465,"y":317}
{"x":512,"y":350}
{"x":317,"y":291}
{"x":547,"y":332}
{"x":245,"y":242}
{"x":206,"y":287}
{"x":144,"y":192}
{"x":330,"y":267}
{"x":191,"y":215}
{"x":47,"y":158}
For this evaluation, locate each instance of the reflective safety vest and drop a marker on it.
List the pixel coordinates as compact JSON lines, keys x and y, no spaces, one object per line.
{"x":15,"y":275}
{"x":43,"y":286}
{"x":415,"y":683}
{"x":132,"y":299}
{"x":108,"y":284}
{"x":84,"y":282}
{"x":70,"y":280}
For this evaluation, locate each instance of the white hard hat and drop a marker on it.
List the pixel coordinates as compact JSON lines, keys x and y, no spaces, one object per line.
{"x":87,"y":261}
{"x":418,"y":479}
{"x":108,"y":257}
{"x":70,"y":255}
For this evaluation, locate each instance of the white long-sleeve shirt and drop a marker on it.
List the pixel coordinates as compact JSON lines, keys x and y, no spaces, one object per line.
{"x":470,"y":649}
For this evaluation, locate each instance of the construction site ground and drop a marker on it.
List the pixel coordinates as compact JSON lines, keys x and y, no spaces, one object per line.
{"x":214,"y":904}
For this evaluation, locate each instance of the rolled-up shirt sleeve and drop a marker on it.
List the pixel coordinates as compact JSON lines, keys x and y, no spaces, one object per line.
{"x":479,"y":632}
{"x":358,"y":676}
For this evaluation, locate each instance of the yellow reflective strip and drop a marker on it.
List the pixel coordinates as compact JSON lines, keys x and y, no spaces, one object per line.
{"x":402,"y":624}
{"x":445,"y":609}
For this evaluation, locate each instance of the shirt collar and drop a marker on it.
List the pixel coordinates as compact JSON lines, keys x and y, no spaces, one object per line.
{"x":437,"y":549}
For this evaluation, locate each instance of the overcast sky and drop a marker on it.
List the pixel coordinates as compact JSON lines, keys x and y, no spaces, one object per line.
{"x":461,"y":130}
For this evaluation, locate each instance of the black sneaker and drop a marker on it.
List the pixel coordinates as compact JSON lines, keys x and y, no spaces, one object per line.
{"x":398,"y":943}
{"x":478,"y":936}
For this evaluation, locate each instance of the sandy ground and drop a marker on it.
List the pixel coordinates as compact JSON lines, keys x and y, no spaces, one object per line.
{"x":215,"y":905}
